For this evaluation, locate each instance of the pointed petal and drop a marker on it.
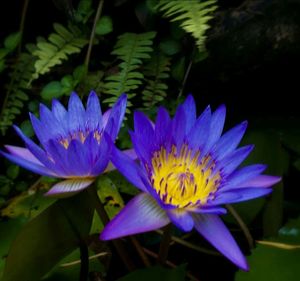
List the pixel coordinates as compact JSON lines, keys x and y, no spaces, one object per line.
{"x":179,"y":127}
{"x":69,"y":187}
{"x":182,"y":219}
{"x":261,"y":181}
{"x":104,"y":154}
{"x":229,"y":141}
{"x":127,"y":167}
{"x":216,"y":127}
{"x":214,"y":230}
{"x":141,"y":214}
{"x":238,"y":177}
{"x":200,"y":131}
{"x":239,"y":195}
{"x":116,"y":117}
{"x":189,"y":108}
{"x":40,"y":131}
{"x":76,"y":114}
{"x":38,"y":169}
{"x":59,"y":111}
{"x":162,"y":124}
{"x":23,"y":153}
{"x":129,"y":152}
{"x":234,"y":159}
{"x":209,"y":210}
{"x":93,"y":112}
{"x":105,"y":117}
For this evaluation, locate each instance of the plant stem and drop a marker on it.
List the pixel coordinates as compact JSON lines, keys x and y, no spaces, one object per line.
{"x":191,"y":245}
{"x":105,"y":219}
{"x":22,"y":23}
{"x":89,"y":51}
{"x":165,"y":244}
{"x":242,"y":225}
{"x":140,"y":251}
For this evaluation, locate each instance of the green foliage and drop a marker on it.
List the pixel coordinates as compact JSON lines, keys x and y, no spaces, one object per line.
{"x":155,"y":73}
{"x":16,"y":93}
{"x":192,"y":15}
{"x":131,"y":49}
{"x":48,"y":238}
{"x":104,"y":25}
{"x":58,"y":47}
{"x":274,"y":262}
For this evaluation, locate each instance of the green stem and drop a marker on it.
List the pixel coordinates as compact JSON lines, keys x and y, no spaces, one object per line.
{"x":89,"y":50}
{"x":22,"y":23}
{"x":165,"y":244}
{"x":105,"y":219}
{"x":242,"y":225}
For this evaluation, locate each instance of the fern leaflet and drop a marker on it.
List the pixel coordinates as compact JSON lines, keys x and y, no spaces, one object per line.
{"x":131,"y":49}
{"x":58,"y":47}
{"x":155,"y":72}
{"x":193,"y":15}
{"x":16,"y":91}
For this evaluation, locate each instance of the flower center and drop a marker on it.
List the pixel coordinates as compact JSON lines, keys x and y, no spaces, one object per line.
{"x":65,"y":142}
{"x":182,"y":179}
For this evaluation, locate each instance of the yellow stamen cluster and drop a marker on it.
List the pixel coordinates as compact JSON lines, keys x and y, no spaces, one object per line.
{"x":180,"y":179}
{"x":65,"y":142}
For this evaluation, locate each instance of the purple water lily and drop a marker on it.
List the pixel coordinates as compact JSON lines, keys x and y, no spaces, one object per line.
{"x":186,"y":171}
{"x":76,"y":143}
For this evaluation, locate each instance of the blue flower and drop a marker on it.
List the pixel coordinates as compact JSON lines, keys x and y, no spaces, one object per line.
{"x":76,"y":143}
{"x":186,"y":171}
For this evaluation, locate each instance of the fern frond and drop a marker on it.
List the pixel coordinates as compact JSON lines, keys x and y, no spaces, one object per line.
{"x":193,"y":15}
{"x":58,"y":47}
{"x":16,"y":91}
{"x":131,"y":49}
{"x":155,"y":73}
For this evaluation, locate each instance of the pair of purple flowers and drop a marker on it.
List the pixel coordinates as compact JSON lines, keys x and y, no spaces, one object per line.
{"x":185,"y":168}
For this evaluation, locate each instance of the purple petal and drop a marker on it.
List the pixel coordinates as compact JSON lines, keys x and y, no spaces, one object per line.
{"x":59,"y":111}
{"x":162,"y":124}
{"x":261,"y":181}
{"x":78,"y":158}
{"x":104,"y":154}
{"x":179,"y":127}
{"x":229,"y":141}
{"x":239,"y":195}
{"x":141,"y":214}
{"x":189,"y":108}
{"x":214,"y":230}
{"x":105,"y":117}
{"x":129,"y":152}
{"x":36,"y":150}
{"x":116,"y":117}
{"x":127,"y":167}
{"x":210,"y":210}
{"x":38,"y":169}
{"x":93,"y":112}
{"x":142,"y":125}
{"x":23,"y":153}
{"x":234,"y":159}
{"x":76,"y":114}
{"x":182,"y":219}
{"x":216,"y":127}
{"x":69,"y":187}
{"x":51,"y":125}
{"x":242,"y":175}
{"x":40,"y":130}
{"x":200,"y":131}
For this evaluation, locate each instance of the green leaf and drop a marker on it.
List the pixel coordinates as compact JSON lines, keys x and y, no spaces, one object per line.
{"x":270,"y":263}
{"x":49,"y":237}
{"x":27,"y":129}
{"x":12,"y":41}
{"x":170,"y":47}
{"x":52,"y":90}
{"x":104,"y":25}
{"x":9,"y":231}
{"x":156,"y":273}
{"x":13,"y":171}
